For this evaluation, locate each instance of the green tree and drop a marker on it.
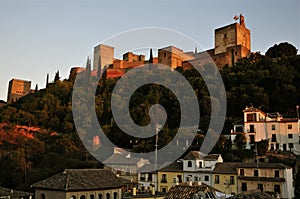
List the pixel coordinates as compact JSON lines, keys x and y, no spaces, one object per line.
{"x":282,"y":49}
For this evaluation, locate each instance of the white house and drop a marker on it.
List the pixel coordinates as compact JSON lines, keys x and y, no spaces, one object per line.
{"x":197,"y":164}
{"x":282,"y":133}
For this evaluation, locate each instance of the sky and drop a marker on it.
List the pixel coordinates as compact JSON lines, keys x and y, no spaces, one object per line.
{"x":41,"y":37}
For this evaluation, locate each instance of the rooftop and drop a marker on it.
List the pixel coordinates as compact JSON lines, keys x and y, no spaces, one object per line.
{"x":80,"y":179}
{"x":194,"y":155}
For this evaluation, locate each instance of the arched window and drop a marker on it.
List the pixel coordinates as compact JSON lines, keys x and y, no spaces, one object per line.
{"x":100,"y":196}
{"x":73,"y":197}
{"x":43,"y":196}
{"x":189,"y":163}
{"x":92,"y":196}
{"x":82,"y":197}
{"x":115,"y":195}
{"x":108,"y":196}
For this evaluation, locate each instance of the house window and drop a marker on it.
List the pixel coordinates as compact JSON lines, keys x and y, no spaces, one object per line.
{"x":92,"y":196}
{"x":100,"y":196}
{"x":284,"y":147}
{"x":115,"y":195}
{"x":189,"y":163}
{"x":82,"y":197}
{"x":179,"y":178}
{"x":231,"y":179}
{"x":252,"y":139}
{"x":43,"y":196}
{"x":108,"y":196}
{"x":273,"y":138}
{"x":290,"y":136}
{"x":251,"y":117}
{"x":273,"y":127}
{"x":73,"y":197}
{"x":217,"y":179}
{"x":272,"y":147}
{"x":206,"y":178}
{"x":242,"y":172}
{"x":256,"y":173}
{"x":260,"y":187}
{"x":244,"y":186}
{"x":164,"y":178}
{"x":200,"y":164}
{"x":143,"y":178}
{"x":164,"y":190}
{"x":291,"y":145}
{"x":150,"y":177}
{"x":276,"y":174}
{"x":277,"y":188}
{"x":252,"y":128}
{"x":290,"y":126}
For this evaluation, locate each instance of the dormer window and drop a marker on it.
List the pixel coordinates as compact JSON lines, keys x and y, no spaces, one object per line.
{"x":190,"y":163}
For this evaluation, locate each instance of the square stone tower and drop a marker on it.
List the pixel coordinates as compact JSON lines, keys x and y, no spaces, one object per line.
{"x":233,"y":36}
{"x":16,"y":89}
{"x":103,"y":55}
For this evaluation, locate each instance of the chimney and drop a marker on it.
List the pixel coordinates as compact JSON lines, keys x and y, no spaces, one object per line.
{"x":175,"y":181}
{"x":153,"y":190}
{"x":198,"y":180}
{"x":189,"y":181}
{"x":134,"y":191}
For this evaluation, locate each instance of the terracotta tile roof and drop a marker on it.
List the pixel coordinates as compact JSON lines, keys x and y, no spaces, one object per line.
{"x":13,"y":194}
{"x":252,"y":109}
{"x":254,"y":195}
{"x":289,"y":120}
{"x":80,"y":179}
{"x":263,"y":165}
{"x":195,"y":155}
{"x":226,"y":168}
{"x":186,"y":191}
{"x":175,"y":166}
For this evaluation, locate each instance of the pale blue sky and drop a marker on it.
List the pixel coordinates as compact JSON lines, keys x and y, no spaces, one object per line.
{"x":40,"y":37}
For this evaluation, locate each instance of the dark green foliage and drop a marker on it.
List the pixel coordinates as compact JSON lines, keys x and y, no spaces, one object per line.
{"x":282,"y":49}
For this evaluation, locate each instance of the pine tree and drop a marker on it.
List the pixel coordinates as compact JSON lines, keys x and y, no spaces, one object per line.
{"x":36,"y":88}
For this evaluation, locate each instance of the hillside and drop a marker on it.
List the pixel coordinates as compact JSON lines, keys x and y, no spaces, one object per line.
{"x":38,"y":137}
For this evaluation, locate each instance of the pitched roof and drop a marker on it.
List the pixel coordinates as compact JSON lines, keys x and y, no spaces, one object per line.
{"x":252,"y":109}
{"x":226,"y":168}
{"x":186,"y":191}
{"x":253,"y":195}
{"x":266,"y":165}
{"x":13,"y":194}
{"x":80,"y":179}
{"x":194,"y":155}
{"x":174,"y":166}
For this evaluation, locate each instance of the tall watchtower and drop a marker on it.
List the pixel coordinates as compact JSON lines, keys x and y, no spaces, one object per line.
{"x":235,"y":36}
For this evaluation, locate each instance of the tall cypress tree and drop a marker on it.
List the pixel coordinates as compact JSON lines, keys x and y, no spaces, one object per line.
{"x":151,"y":57}
{"x":47,"y":80}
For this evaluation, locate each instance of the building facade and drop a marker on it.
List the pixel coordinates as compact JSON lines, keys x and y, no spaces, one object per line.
{"x":268,"y":177}
{"x":225,"y":177}
{"x":197,"y":165}
{"x":282,"y":133}
{"x":170,"y":175}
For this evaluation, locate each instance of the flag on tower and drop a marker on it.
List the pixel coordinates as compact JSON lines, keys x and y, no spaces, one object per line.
{"x":236,"y":17}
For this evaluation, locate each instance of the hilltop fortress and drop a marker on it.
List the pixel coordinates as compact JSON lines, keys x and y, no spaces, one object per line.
{"x":231,"y":43}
